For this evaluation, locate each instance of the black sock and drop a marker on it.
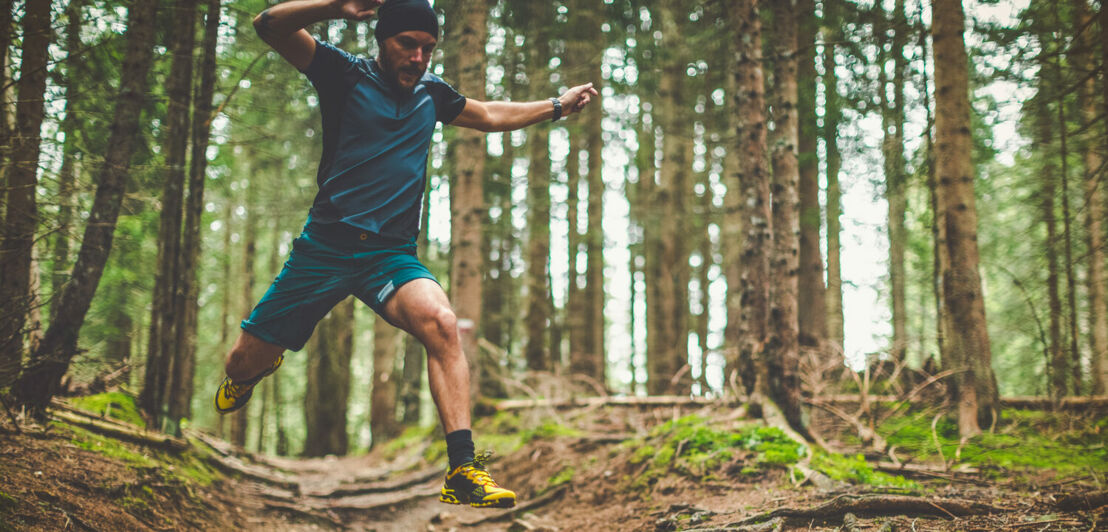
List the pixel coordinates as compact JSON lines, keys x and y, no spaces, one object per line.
{"x":459,"y":446}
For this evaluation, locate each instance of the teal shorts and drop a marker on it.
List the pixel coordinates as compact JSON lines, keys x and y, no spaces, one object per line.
{"x":328,"y":263}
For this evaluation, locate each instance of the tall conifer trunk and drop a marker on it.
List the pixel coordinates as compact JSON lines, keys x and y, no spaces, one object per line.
{"x":831,"y":118}
{"x":539,"y":315}
{"x":748,"y":281}
{"x":1090,"y":146}
{"x":1100,"y":364}
{"x":21,"y":216}
{"x":160,"y":359}
{"x":782,"y":350}
{"x":468,"y":32}
{"x":976,"y":391}
{"x":811,"y":292}
{"x":892,"y":119}
{"x":39,"y":381}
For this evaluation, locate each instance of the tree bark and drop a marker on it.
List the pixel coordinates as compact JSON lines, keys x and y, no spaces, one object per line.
{"x":1057,"y":360}
{"x":160,"y":360}
{"x":67,"y":175}
{"x":782,"y":350}
{"x":892,"y":119}
{"x":811,"y":292}
{"x":1084,"y":62}
{"x":975,"y":390}
{"x":186,"y":300}
{"x":467,"y":203}
{"x":671,"y":311}
{"x":382,"y":403}
{"x":239,"y":419}
{"x":538,"y":317}
{"x":40,"y":379}
{"x":748,"y":283}
{"x":21,"y":216}
{"x":594,"y":344}
{"x":1100,"y":364}
{"x":328,"y":388}
{"x":831,"y":118}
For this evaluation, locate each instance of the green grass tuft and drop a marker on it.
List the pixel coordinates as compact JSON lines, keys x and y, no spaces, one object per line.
{"x":855,"y":470}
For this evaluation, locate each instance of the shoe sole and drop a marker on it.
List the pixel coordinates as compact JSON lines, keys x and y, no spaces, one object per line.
{"x":500,"y":503}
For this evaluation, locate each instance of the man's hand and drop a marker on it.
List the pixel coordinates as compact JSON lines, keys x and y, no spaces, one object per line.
{"x":575,"y":99}
{"x":357,"y":9}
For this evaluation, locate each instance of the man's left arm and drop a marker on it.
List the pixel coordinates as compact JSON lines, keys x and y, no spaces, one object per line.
{"x":509,"y":116}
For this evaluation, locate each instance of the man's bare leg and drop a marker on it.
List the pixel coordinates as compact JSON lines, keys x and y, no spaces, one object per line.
{"x":421,"y":308}
{"x":250,"y":356}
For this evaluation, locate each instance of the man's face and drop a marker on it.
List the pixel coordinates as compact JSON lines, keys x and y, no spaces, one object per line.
{"x":404,"y":57}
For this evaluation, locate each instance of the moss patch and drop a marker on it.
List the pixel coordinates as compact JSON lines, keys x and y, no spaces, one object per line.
{"x":115,"y":405}
{"x":855,"y":470}
{"x":1021,"y":441}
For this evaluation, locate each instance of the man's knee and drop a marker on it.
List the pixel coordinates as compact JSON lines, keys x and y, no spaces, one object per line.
{"x":440,"y":326}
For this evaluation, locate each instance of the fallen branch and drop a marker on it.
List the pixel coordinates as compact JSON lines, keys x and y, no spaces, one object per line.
{"x":529,"y":505}
{"x":1024,"y":402}
{"x":577,"y":402}
{"x":219,"y":446}
{"x":877,"y":505}
{"x":867,"y":434}
{"x":1083,"y":501}
{"x":124,"y":432}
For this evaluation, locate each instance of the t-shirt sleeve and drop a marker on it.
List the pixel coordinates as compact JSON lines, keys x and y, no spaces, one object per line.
{"x":330,"y":67}
{"x":448,"y":103}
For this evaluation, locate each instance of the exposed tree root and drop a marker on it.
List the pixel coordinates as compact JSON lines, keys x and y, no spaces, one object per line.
{"x":124,"y":432}
{"x":364,"y":488}
{"x":313,"y":514}
{"x":871,"y":505}
{"x":1026,"y":402}
{"x":529,"y":505}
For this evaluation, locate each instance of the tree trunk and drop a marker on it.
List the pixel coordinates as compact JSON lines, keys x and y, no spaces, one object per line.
{"x":671,"y":312}
{"x":382,"y":403}
{"x":976,"y":391}
{"x":239,"y":419}
{"x":782,"y":350}
{"x":467,"y":203}
{"x":186,"y":300}
{"x":21,"y":216}
{"x":40,"y":379}
{"x":328,"y":389}
{"x":160,"y":359}
{"x":1049,"y":174}
{"x":67,"y":176}
{"x":538,"y":316}
{"x":811,"y":293}
{"x":892,"y":119}
{"x":1100,"y":364}
{"x":1084,"y":61}
{"x":748,"y":283}
{"x":831,"y":118}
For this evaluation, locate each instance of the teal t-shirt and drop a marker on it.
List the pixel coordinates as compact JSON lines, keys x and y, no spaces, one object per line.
{"x":375,"y":140}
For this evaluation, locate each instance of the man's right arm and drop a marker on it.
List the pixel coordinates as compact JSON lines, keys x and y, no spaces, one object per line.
{"x":282,"y":26}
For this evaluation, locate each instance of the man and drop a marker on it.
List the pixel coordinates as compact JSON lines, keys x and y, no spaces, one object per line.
{"x":378,"y":118}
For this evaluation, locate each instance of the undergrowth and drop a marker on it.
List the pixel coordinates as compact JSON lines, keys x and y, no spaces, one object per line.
{"x":1021,"y":441}
{"x":115,"y":405}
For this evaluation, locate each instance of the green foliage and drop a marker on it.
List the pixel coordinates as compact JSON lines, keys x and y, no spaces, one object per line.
{"x":116,"y":405}
{"x":1021,"y":441}
{"x":855,"y":470}
{"x":110,"y":447}
{"x":548,"y":431}
{"x":187,"y":466}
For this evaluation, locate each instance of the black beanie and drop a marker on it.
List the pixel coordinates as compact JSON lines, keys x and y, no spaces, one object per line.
{"x":397,"y":16}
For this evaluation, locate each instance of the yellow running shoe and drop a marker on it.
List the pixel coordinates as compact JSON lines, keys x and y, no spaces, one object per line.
{"x":471,"y":484}
{"x":232,"y":395}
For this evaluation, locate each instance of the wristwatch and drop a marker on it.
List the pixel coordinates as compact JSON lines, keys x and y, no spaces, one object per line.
{"x":557,"y":109}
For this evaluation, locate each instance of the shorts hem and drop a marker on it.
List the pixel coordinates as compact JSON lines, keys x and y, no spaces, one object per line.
{"x":257,"y":330}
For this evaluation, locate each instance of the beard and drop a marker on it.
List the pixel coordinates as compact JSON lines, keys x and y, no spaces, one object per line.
{"x":403,"y":77}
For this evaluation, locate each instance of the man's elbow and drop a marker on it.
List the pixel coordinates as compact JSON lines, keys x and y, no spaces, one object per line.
{"x":262,"y":25}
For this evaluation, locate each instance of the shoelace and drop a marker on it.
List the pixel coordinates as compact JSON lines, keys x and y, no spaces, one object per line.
{"x":231,"y":391}
{"x":480,"y":473}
